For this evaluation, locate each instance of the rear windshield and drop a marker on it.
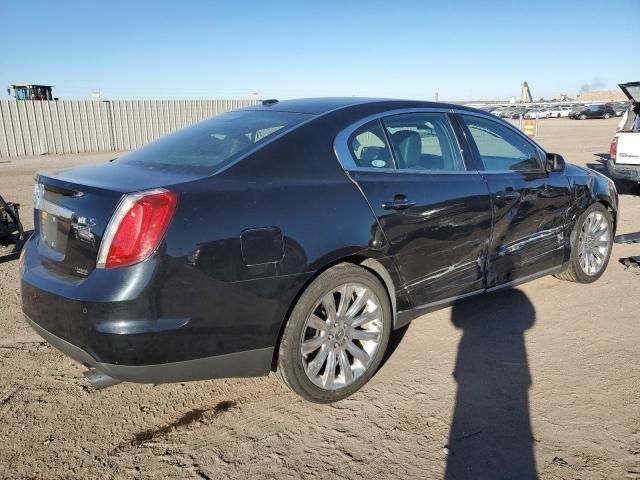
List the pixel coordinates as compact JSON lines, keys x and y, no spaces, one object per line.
{"x":213,"y":143}
{"x":633,"y":91}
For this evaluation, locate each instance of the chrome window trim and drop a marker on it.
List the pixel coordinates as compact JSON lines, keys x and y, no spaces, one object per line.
{"x":343,"y":152}
{"x":515,"y":172}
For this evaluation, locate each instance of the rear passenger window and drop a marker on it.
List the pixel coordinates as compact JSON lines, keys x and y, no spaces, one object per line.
{"x":369,"y":148}
{"x":501,"y":149}
{"x":424,"y":141}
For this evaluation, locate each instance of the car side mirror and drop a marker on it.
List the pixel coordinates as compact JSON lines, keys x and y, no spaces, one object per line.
{"x":555,"y":163}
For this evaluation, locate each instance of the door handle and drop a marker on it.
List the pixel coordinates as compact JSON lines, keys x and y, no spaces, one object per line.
{"x":508,"y":194}
{"x":398,"y":204}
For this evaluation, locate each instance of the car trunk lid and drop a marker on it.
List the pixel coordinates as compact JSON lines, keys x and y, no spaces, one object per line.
{"x":628,"y":147}
{"x":73,"y":207}
{"x":631,"y":90}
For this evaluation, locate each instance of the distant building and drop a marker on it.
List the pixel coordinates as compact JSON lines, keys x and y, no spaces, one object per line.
{"x":602,"y":96}
{"x":526,"y":97}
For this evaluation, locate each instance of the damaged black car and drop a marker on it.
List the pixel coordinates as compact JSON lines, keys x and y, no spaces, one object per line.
{"x":294,"y":236}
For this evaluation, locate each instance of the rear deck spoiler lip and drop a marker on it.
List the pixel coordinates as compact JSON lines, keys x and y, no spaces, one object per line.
{"x":48,"y":178}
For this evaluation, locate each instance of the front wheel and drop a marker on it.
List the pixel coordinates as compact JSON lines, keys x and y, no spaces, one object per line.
{"x":336,"y":335}
{"x":583,"y":117}
{"x":606,"y":116}
{"x":591,"y":242}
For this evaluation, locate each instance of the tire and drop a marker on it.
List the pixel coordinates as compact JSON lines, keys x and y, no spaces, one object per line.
{"x":583,"y":117}
{"x":606,"y":116}
{"x":298,"y":370}
{"x":575,"y":271}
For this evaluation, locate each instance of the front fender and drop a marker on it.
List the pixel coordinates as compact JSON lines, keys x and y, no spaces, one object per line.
{"x":587,"y":187}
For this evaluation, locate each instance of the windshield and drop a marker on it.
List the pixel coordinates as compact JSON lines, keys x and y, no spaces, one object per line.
{"x":21,"y":93}
{"x":213,"y":143}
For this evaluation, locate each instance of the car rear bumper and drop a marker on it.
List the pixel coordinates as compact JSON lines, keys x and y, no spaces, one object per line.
{"x":251,"y":363}
{"x":624,"y":172}
{"x":159,"y":322}
{"x":113,"y":338}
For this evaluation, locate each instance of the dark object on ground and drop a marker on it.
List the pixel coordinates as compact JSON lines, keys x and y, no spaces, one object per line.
{"x":628,"y":238}
{"x":632,"y":263}
{"x":11,"y":232}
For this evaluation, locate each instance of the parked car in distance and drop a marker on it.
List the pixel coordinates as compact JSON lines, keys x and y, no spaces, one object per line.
{"x":593,"y":111}
{"x":537,"y":113}
{"x":502,"y":112}
{"x":620,"y":108}
{"x":560,"y":111}
{"x":624,"y":152}
{"x":517,"y":112}
{"x":546,"y":111}
{"x":294,"y":236}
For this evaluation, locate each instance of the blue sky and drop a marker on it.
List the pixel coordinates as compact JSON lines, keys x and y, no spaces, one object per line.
{"x":284,"y":49}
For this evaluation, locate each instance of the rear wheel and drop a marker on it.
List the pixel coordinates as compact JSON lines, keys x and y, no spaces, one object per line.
{"x":591,"y":242}
{"x":606,"y":115}
{"x":336,"y":335}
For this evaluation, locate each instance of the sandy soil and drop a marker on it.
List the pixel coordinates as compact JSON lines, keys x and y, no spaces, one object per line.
{"x":542,"y":381}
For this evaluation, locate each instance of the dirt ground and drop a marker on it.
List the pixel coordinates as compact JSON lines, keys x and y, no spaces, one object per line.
{"x":541,"y":381}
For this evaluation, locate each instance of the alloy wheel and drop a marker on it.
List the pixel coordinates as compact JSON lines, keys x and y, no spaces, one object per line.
{"x":594,"y":243}
{"x":341,"y":336}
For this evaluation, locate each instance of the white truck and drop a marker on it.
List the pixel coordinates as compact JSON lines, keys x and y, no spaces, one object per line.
{"x":624,"y":153}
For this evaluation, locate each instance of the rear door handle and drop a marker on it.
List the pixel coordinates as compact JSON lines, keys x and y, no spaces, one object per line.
{"x":398,"y":204}
{"x":507,"y":195}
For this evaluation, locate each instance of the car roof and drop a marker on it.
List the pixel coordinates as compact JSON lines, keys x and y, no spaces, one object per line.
{"x":319,"y":106}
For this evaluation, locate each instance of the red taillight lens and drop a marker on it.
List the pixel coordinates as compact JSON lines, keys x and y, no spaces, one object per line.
{"x":613,"y":149}
{"x":136,"y":228}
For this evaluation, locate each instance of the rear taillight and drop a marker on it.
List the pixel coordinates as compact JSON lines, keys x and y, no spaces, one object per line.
{"x":613,"y":149}
{"x":136,"y":228}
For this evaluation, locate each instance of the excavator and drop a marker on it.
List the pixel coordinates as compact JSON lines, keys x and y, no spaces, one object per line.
{"x":28,"y":91}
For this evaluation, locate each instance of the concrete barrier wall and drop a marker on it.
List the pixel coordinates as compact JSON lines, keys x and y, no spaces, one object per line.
{"x":77,"y":126}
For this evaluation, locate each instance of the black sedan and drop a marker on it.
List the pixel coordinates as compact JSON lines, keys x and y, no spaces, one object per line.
{"x":593,"y":111}
{"x":294,"y":236}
